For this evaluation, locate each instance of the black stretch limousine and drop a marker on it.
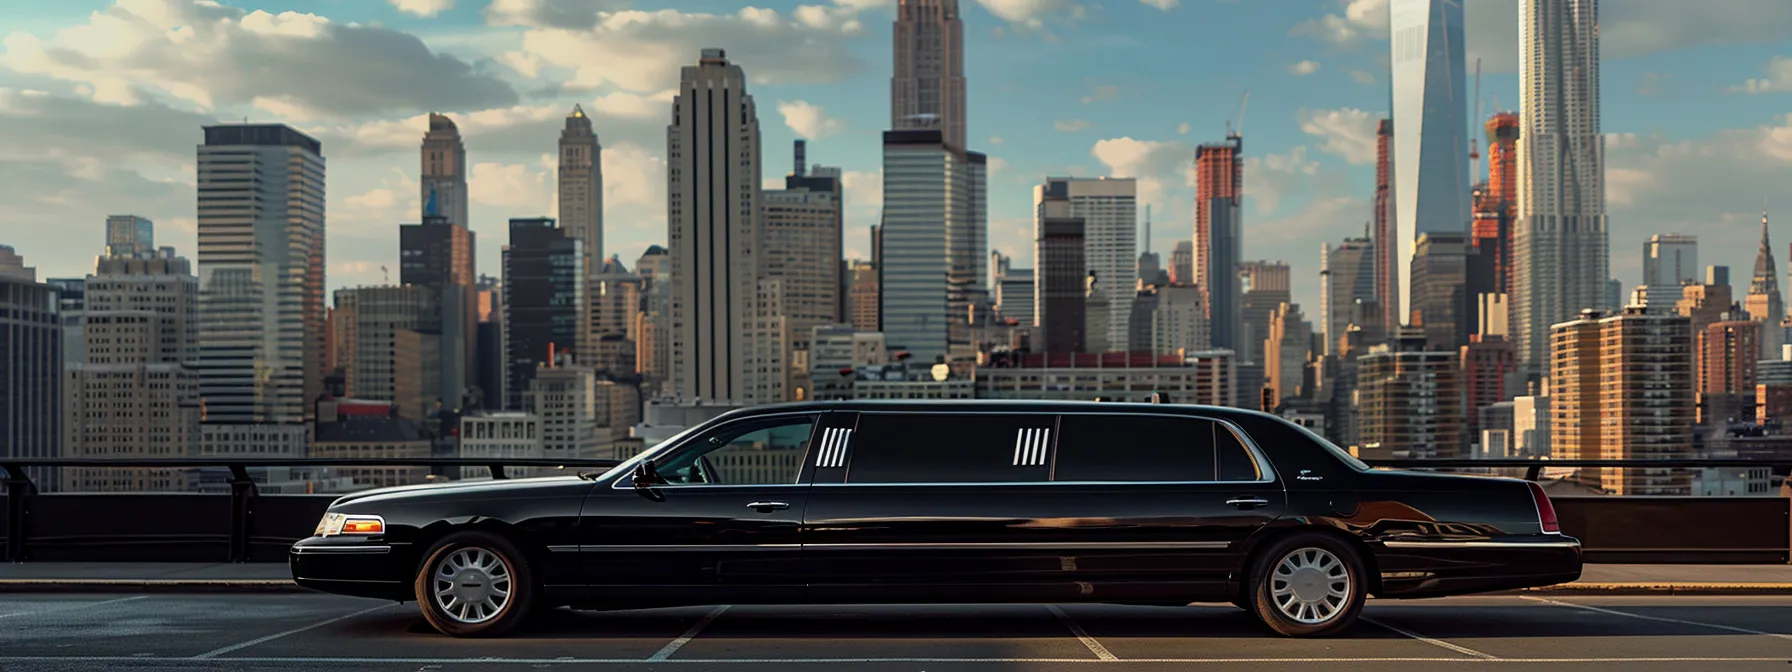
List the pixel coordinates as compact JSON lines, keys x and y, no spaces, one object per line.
{"x":905,"y":502}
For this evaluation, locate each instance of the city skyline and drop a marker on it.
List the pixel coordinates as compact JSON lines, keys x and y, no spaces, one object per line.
{"x":507,"y":123}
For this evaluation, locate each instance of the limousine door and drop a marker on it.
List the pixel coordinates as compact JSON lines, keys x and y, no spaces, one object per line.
{"x":980,"y":506}
{"x":726,"y":516}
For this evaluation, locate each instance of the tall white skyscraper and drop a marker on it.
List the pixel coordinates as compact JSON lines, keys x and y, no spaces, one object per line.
{"x":934,"y":247}
{"x":261,"y":284}
{"x":582,"y":186}
{"x":927,"y":86}
{"x":444,"y":175}
{"x":1559,"y":244}
{"x":1430,"y":101}
{"x":1110,"y":212}
{"x":712,"y":213}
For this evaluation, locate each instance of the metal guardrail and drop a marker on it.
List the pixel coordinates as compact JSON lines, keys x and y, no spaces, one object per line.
{"x":1721,"y":529}
{"x":243,"y":493}
{"x":1534,"y":468}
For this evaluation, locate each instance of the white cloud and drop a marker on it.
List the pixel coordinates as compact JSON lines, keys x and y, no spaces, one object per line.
{"x":213,"y":55}
{"x":1072,"y":125}
{"x":1363,"y":77}
{"x":423,"y":7}
{"x":1272,"y":177}
{"x":548,"y":13}
{"x":809,"y":120}
{"x":1360,"y":19}
{"x":995,"y":140}
{"x":1102,"y":92}
{"x":1182,"y":128}
{"x":517,"y":187}
{"x":1029,"y":14}
{"x":643,"y":50}
{"x":1303,"y":68}
{"x":864,"y":194}
{"x":1778,"y":79}
{"x":1346,"y":132}
{"x":1158,"y":165}
{"x":996,"y":165}
{"x":517,"y":130}
{"x":1165,"y":5}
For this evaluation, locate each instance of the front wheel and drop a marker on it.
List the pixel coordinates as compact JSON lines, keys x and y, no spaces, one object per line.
{"x":1308,"y":585}
{"x":475,"y":584}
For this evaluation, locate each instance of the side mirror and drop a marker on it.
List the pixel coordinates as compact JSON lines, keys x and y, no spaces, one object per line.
{"x":646,"y":475}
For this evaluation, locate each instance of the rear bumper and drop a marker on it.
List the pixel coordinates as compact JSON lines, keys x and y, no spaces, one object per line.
{"x":1437,"y":568}
{"x":359,"y":569}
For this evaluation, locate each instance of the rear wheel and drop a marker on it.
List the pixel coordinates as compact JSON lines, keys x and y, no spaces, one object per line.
{"x":475,"y":584}
{"x":1308,"y":585}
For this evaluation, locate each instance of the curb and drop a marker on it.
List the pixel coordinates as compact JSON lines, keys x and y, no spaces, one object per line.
{"x":149,"y":586}
{"x":1640,"y":588}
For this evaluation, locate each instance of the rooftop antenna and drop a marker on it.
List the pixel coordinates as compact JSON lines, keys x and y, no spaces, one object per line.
{"x":1242,"y":104}
{"x":385,"y":273}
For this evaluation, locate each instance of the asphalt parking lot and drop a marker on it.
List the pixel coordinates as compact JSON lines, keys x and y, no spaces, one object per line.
{"x":325,"y":632}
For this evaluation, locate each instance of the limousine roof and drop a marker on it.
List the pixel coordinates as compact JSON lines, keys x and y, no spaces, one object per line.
{"x":999,"y":406}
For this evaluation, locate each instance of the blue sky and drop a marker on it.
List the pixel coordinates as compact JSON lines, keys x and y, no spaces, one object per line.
{"x":100,"y":104}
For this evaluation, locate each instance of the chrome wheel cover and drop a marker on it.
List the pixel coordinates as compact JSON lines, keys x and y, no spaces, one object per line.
{"x":472,"y":585}
{"x":1310,"y":585}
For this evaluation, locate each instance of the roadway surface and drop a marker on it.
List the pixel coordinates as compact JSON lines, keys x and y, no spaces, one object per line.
{"x":323,"y":632}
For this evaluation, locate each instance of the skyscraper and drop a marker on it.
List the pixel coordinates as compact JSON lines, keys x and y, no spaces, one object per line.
{"x":1439,"y":300}
{"x":1348,"y":272}
{"x":1266,"y":286}
{"x":821,"y":179}
{"x":712,"y":221}
{"x":1559,"y":245}
{"x":1110,"y":213}
{"x":261,"y":286}
{"x":1636,"y":368}
{"x":394,"y":354}
{"x":439,"y":255}
{"x":927,"y":86}
{"x":933,"y":242}
{"x":1182,"y":264}
{"x":1219,"y":238}
{"x":129,"y":234}
{"x":134,"y":394}
{"x":30,"y":372}
{"x":544,"y":301}
{"x":1410,"y":399}
{"x":1059,"y":274}
{"x":1151,"y":265}
{"x":1431,"y":187}
{"x":1381,"y":232}
{"x":1763,"y":301}
{"x":1669,"y":260}
{"x":581,"y":182}
{"x":444,"y":175}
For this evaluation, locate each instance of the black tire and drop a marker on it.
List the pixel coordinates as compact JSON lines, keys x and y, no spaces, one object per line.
{"x":1317,"y":611}
{"x":475,"y":559}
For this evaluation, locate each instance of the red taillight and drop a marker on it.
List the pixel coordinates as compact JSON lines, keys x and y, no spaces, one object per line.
{"x":1546,"y":512}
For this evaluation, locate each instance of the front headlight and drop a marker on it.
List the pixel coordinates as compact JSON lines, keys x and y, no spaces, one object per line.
{"x":338,"y":523}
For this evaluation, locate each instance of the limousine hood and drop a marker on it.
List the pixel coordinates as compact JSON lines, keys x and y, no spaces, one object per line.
{"x":500,"y":487}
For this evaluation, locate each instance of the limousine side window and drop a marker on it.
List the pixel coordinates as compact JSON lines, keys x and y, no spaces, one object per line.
{"x":951,"y":448}
{"x":750,"y":453}
{"x":1134,"y":448}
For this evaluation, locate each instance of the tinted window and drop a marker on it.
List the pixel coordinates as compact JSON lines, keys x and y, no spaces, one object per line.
{"x":1135,"y":448}
{"x":950,"y":448}
{"x":767,"y":452}
{"x":1235,"y":460}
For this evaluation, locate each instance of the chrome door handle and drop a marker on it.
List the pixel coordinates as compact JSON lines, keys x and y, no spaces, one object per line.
{"x":1247,"y":502}
{"x":764,"y":507}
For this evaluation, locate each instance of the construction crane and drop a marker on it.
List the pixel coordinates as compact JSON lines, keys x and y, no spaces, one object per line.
{"x":1242,"y":104}
{"x":1474,"y":145}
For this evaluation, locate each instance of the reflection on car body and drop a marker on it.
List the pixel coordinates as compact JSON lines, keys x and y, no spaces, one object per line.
{"x":857,"y":502}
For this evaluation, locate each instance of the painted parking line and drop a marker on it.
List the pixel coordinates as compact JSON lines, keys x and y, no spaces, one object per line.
{"x":261,"y":640}
{"x":1430,"y":640}
{"x":1660,"y":619}
{"x":68,"y":607}
{"x":1095,"y":647}
{"x":327,"y":661}
{"x":673,"y":646}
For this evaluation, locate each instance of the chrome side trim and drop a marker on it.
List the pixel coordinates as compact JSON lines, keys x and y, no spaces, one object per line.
{"x":998,"y":484}
{"x":340,"y":550}
{"x":1068,"y":545}
{"x":1481,"y":544}
{"x":570,"y":548}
